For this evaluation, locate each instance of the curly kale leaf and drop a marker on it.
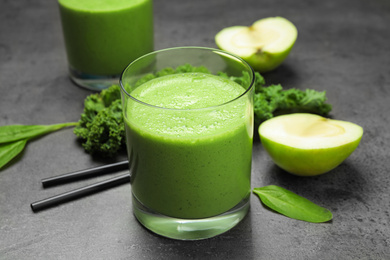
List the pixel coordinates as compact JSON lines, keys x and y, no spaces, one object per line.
{"x":97,"y":102}
{"x":274,"y":100}
{"x":106,"y":135}
{"x":101,"y":128}
{"x":186,"y":68}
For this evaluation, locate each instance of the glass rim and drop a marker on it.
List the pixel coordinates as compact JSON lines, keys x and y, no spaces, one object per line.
{"x":252,"y":72}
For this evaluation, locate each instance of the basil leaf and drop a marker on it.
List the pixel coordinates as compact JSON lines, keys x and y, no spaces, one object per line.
{"x":292,"y":205}
{"x":11,"y":133}
{"x":9,"y":150}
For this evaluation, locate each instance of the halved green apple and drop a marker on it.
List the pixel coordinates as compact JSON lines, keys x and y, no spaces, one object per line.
{"x":307,"y":144}
{"x":264,"y":45}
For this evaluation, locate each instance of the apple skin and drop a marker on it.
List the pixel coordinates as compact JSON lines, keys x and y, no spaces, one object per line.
{"x":308,"y":162}
{"x":264,"y":61}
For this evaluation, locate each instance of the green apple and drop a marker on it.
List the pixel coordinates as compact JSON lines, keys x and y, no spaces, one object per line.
{"x":307,"y":144}
{"x":264,"y":45}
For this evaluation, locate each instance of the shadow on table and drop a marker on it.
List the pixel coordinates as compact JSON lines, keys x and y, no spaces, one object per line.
{"x":335,"y":189}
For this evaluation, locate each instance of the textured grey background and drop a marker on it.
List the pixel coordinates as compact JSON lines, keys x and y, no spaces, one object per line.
{"x":343,"y":47}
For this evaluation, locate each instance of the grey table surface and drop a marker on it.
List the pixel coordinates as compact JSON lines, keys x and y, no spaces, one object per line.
{"x":343,"y":47}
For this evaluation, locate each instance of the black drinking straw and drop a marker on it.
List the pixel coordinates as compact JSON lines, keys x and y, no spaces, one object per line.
{"x":74,"y":194}
{"x":91,"y":172}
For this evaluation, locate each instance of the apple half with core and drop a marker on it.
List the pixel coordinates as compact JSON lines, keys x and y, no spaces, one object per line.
{"x":264,"y":45}
{"x":307,"y":144}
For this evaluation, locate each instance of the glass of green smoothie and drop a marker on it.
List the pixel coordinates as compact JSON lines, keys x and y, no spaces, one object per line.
{"x":101,"y":37}
{"x":189,"y":127}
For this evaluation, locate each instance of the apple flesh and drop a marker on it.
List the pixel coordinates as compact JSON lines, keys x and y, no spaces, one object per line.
{"x":307,"y":144}
{"x":264,"y":45}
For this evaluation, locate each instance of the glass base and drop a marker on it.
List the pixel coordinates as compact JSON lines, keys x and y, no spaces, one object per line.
{"x":189,"y":229}
{"x":93,"y":82}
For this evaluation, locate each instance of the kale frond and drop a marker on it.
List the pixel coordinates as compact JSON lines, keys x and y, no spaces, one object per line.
{"x":101,"y":128}
{"x":274,"y":100}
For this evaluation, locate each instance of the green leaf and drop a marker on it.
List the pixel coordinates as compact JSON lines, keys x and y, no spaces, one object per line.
{"x":292,"y":205}
{"x":11,"y":133}
{"x":9,"y":150}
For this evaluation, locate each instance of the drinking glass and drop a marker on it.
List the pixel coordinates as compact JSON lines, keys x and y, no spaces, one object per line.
{"x":102,"y":37}
{"x":189,"y":156}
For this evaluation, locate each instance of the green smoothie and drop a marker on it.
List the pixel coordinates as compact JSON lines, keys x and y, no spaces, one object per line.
{"x":102,"y":37}
{"x":190,"y":155}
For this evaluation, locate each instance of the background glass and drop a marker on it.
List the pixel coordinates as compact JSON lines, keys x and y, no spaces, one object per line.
{"x":101,"y":37}
{"x":189,"y":186}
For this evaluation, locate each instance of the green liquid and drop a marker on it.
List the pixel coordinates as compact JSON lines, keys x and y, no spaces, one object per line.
{"x":189,"y":161}
{"x":102,"y":37}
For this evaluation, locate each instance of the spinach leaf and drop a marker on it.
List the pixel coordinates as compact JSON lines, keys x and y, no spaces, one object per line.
{"x":9,"y":150}
{"x":292,"y":205}
{"x":13,"y":138}
{"x":11,"y":133}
